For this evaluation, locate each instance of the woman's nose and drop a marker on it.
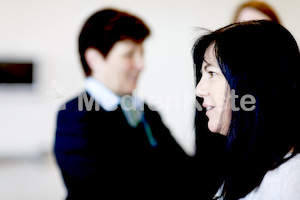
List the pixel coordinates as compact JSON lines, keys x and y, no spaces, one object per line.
{"x":202,"y":89}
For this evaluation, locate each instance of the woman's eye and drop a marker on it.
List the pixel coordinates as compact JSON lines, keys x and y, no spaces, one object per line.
{"x":211,"y":74}
{"x":129,"y":54}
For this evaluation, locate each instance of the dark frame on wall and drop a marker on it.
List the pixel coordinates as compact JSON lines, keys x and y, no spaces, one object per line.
{"x":16,"y":72}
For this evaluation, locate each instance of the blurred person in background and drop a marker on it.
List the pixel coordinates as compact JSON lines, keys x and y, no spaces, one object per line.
{"x":255,"y":10}
{"x":108,"y":143}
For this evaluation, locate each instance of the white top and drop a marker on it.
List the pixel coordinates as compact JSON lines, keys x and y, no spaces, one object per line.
{"x":282,"y":183}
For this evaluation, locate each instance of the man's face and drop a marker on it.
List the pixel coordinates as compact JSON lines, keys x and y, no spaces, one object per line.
{"x":120,"y":70}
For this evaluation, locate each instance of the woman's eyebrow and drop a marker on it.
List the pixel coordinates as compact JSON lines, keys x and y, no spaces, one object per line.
{"x":205,"y":66}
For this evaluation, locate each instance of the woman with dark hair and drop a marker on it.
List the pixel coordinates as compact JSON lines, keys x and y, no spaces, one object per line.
{"x":248,"y":92}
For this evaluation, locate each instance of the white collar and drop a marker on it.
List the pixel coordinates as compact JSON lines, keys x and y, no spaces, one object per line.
{"x":102,"y":95}
{"x":107,"y":99}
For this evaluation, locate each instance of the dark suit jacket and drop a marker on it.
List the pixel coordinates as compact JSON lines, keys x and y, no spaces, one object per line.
{"x":101,"y":155}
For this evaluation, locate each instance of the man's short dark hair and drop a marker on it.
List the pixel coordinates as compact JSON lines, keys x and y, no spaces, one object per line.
{"x":106,"y":27}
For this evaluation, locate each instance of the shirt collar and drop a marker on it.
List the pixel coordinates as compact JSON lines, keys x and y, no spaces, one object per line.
{"x":107,"y":99}
{"x":102,"y":95}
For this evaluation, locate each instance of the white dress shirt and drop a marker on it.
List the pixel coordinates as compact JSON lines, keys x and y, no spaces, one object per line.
{"x":108,"y":100}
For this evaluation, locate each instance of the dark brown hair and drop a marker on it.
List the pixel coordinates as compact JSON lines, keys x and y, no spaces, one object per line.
{"x":106,"y":27}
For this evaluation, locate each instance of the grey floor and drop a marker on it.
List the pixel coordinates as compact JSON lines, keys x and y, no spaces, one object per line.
{"x":32,"y":178}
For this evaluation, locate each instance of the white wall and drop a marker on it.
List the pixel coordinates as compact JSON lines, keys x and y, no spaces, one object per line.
{"x":47,"y":30}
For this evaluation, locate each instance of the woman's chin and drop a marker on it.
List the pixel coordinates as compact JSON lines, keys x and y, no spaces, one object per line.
{"x":212,"y":127}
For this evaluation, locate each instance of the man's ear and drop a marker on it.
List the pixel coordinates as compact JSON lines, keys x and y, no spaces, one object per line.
{"x":93,"y":58}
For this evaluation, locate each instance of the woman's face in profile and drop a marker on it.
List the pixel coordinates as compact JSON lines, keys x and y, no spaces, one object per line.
{"x":215,"y":91}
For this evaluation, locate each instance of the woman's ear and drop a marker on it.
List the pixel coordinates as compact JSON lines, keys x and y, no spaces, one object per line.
{"x":94,"y":59}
